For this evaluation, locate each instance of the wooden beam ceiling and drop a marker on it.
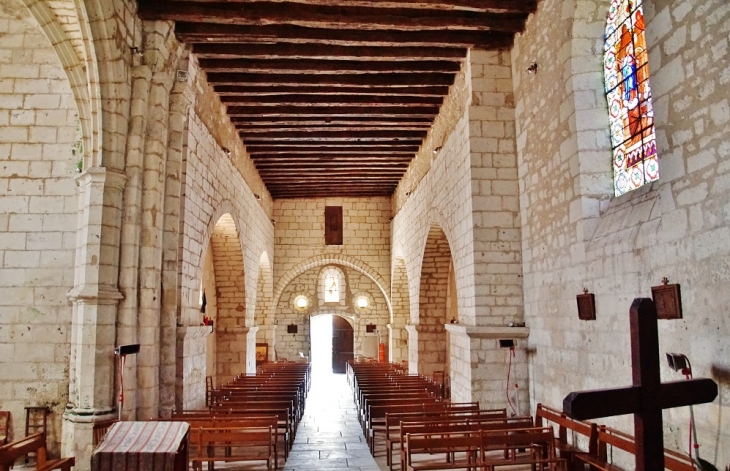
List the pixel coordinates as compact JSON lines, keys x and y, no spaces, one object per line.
{"x":334,"y":97}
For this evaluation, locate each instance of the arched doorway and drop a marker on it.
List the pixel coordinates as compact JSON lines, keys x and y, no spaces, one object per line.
{"x":332,"y":340}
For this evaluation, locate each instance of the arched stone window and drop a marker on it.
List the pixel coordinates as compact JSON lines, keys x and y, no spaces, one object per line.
{"x":331,"y":284}
{"x":626,"y":68}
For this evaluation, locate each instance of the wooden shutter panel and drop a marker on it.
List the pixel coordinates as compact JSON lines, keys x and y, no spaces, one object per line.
{"x":333,"y":225}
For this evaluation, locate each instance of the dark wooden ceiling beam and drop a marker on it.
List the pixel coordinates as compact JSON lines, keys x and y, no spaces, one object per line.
{"x":316,"y":66}
{"x":259,"y":151}
{"x":373,"y":100}
{"x":283,"y":111}
{"x":329,"y":16}
{"x":275,"y":163}
{"x":201,"y":32}
{"x":505,"y":6}
{"x":394,"y":79}
{"x":326,"y":52}
{"x":296,"y":89}
{"x":327,"y":121}
{"x":270,"y":128}
{"x":416,"y":136}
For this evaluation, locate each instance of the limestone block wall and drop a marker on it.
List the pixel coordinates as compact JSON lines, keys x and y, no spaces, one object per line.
{"x":576,"y":234}
{"x":354,"y":285}
{"x":39,"y":151}
{"x":299,"y":240}
{"x":214,"y":187}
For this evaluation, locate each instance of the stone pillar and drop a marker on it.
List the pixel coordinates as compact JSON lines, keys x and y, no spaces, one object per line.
{"x":480,"y":366}
{"x":398,"y":343}
{"x":233,"y":349}
{"x":266,"y":334}
{"x":251,"y":350}
{"x":426,"y":349}
{"x":94,"y":297}
{"x":191,"y":367}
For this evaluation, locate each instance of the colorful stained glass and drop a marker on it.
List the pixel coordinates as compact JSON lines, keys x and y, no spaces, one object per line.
{"x":626,"y":69}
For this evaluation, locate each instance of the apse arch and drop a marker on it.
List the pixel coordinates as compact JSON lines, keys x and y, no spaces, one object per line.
{"x":321,"y":260}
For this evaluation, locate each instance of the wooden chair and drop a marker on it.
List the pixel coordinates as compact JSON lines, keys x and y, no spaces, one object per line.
{"x":4,"y":426}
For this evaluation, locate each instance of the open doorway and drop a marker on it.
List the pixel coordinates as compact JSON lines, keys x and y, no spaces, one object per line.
{"x":332,"y":340}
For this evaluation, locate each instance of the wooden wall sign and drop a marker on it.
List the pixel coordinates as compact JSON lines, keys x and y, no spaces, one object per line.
{"x":667,"y":300}
{"x":333,"y":225}
{"x":586,"y":306}
{"x":371,"y":328}
{"x":291,"y":329}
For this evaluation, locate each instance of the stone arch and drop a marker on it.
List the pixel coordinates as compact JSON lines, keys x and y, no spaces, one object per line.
{"x":321,"y":260}
{"x":230,"y":292}
{"x":430,"y":333}
{"x":74,"y":44}
{"x":39,"y":211}
{"x":400,"y":300}
{"x":264,"y":299}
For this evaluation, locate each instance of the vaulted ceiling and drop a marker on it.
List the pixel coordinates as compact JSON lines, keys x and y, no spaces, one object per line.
{"x":333,"y":98}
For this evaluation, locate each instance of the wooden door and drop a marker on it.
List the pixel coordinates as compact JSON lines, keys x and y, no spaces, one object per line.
{"x":343,"y":342}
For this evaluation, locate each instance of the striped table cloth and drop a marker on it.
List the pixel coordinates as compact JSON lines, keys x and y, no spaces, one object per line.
{"x":148,"y":446}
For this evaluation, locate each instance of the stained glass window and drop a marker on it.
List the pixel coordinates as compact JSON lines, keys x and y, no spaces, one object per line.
{"x":331,"y":288}
{"x":626,"y":67}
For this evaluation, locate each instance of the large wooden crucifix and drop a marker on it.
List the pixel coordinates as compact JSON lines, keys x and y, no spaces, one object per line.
{"x":648,"y":395}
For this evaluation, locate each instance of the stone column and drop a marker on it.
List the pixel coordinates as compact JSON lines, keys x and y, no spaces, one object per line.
{"x":483,"y":377}
{"x":94,"y":297}
{"x":233,"y":351}
{"x":398,"y":342}
{"x":190,"y":366}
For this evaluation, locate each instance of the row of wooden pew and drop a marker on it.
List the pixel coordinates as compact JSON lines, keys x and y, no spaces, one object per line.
{"x":34,"y":443}
{"x":252,"y":418}
{"x":407,"y":411}
{"x":402,"y":413}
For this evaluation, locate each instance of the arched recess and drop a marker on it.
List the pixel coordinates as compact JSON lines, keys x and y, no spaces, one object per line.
{"x":400,"y":300}
{"x":73,"y":41}
{"x":38,"y":232}
{"x":322,"y":260}
{"x":264,"y":295}
{"x":230,"y":292}
{"x":428,"y":339}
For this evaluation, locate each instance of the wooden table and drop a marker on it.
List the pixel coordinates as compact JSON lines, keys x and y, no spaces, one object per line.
{"x":143,"y":446}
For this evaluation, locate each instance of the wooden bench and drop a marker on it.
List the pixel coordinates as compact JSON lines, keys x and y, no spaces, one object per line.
{"x":609,"y":437}
{"x":482,"y":449}
{"x":588,"y":432}
{"x":460,"y":449}
{"x":430,"y":412}
{"x":250,"y":444}
{"x":454,"y":424}
{"x":35,"y":443}
{"x":4,"y":426}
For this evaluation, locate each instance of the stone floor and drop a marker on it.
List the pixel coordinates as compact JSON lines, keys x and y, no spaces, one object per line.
{"x":329,"y":435}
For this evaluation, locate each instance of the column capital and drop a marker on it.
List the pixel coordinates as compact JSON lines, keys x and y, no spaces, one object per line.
{"x":488,"y":332}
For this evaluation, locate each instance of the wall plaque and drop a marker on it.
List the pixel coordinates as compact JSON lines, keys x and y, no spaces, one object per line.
{"x":586,"y":306}
{"x":667,"y":300}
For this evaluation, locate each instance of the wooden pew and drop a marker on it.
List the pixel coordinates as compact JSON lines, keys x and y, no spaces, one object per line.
{"x":451,"y":444}
{"x":457,"y":424}
{"x":208,"y":445}
{"x":436,"y":412}
{"x":503,"y":448}
{"x":239,"y":422}
{"x":35,"y":443}
{"x":545,"y":416}
{"x":378,"y":415}
{"x":607,"y":436}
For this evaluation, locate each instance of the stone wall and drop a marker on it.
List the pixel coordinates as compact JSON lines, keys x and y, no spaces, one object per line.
{"x":354,"y":284}
{"x":576,"y":234}
{"x":300,"y":247}
{"x":39,"y":151}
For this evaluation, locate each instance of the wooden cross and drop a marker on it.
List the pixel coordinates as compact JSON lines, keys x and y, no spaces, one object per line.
{"x":648,"y":395}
